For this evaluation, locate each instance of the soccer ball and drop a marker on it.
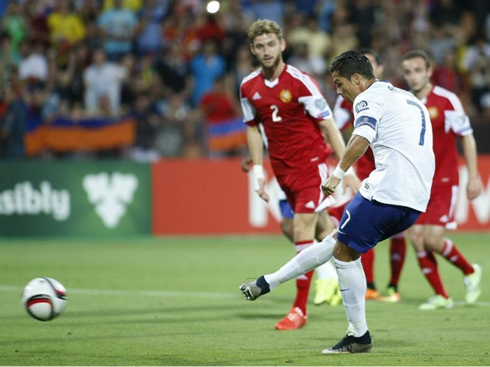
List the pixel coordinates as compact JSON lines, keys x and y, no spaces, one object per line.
{"x":44,"y":298}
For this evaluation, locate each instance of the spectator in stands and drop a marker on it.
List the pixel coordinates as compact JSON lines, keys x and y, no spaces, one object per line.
{"x":150,"y":27}
{"x":225,"y":131}
{"x":36,"y":23}
{"x":268,"y":9}
{"x":14,"y":26}
{"x":303,"y":60}
{"x":133,"y":5}
{"x":13,"y":117}
{"x":147,"y":123}
{"x":178,"y":128}
{"x":103,"y":78}
{"x":476,"y":62}
{"x":66,"y":27}
{"x":118,"y":26}
{"x":205,"y":69}
{"x":34,"y":65}
{"x":173,"y":71}
{"x":319,"y":42}
{"x":447,"y":76}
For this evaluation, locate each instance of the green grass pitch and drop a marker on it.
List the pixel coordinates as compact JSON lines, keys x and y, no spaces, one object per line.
{"x":175,"y":301}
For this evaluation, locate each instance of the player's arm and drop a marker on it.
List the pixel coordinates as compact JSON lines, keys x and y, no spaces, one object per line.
{"x":255,"y":146}
{"x":457,"y":120}
{"x":365,"y":130}
{"x":336,"y":140}
{"x":356,"y":147}
{"x":473,"y":188}
{"x":333,"y":135}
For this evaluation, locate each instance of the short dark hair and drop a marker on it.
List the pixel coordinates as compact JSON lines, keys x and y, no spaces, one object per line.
{"x":417,"y":53}
{"x":352,"y":62}
{"x":370,"y":51}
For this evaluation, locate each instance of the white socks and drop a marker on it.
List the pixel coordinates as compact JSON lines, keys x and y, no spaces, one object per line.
{"x":352,"y":284}
{"x":306,"y":260}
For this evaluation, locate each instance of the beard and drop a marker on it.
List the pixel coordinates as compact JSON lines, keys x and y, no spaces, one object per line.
{"x":276,"y":62}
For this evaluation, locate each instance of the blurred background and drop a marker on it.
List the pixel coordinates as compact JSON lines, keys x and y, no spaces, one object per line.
{"x":84,"y":81}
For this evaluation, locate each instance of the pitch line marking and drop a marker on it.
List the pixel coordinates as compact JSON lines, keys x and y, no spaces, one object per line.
{"x":116,"y":292}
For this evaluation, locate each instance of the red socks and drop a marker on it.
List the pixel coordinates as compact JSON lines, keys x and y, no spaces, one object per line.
{"x":452,"y":254}
{"x":303,"y":282}
{"x":398,"y":248}
{"x":367,"y":260}
{"x":428,"y":265}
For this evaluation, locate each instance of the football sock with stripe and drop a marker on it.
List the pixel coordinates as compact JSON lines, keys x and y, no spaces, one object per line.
{"x":428,"y":265}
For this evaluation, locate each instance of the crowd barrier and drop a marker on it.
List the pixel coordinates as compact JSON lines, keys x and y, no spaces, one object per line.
{"x":169,"y":197}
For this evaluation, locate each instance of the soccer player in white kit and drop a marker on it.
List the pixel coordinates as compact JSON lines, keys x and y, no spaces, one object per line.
{"x":396,"y":125}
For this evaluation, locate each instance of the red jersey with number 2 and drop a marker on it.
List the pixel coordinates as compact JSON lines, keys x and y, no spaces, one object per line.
{"x":290,"y":109}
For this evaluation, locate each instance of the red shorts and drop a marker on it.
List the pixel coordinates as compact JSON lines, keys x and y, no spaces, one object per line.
{"x":440,"y":210}
{"x":303,"y":188}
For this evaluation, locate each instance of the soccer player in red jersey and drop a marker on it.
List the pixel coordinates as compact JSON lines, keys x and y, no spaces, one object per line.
{"x":449,"y":121}
{"x":292,"y":112}
{"x":344,"y":118}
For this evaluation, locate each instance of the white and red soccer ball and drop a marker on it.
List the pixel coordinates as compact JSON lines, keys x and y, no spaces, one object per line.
{"x":44,"y":298}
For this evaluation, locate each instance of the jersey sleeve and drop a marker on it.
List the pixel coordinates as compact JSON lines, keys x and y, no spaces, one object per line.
{"x":248,"y":110}
{"x":311,"y":98}
{"x":342,"y":113}
{"x":367,"y":113}
{"x":456,"y":119}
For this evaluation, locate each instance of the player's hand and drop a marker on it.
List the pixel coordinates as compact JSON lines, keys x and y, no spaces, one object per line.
{"x":473,"y":188}
{"x":261,"y":191}
{"x":351,"y":181}
{"x":246,"y":163}
{"x":329,"y":186}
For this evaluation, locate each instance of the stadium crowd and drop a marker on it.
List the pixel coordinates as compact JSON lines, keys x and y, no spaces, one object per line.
{"x":175,"y":68}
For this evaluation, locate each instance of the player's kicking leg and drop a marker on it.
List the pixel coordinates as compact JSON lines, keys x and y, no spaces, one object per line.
{"x":304,"y":262}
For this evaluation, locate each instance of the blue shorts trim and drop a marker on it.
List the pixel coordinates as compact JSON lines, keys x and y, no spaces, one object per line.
{"x":286,"y":211}
{"x":364,"y":223}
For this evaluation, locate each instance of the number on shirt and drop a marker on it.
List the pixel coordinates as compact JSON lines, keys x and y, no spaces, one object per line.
{"x":422,"y":132}
{"x":275,"y":113}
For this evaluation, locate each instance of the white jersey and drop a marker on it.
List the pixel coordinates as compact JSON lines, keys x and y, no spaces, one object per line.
{"x":398,"y":128}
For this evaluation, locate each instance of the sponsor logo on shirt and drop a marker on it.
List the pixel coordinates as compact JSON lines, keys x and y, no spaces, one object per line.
{"x":286,"y":95}
{"x":361,"y":106}
{"x":256,"y":96}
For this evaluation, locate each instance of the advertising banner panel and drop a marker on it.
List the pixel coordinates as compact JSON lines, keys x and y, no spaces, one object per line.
{"x":216,"y":197}
{"x":74,"y":198}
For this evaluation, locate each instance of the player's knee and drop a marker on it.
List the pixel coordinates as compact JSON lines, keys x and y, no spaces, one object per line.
{"x":431,"y":242}
{"x":344,"y":253}
{"x":416,"y":238}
